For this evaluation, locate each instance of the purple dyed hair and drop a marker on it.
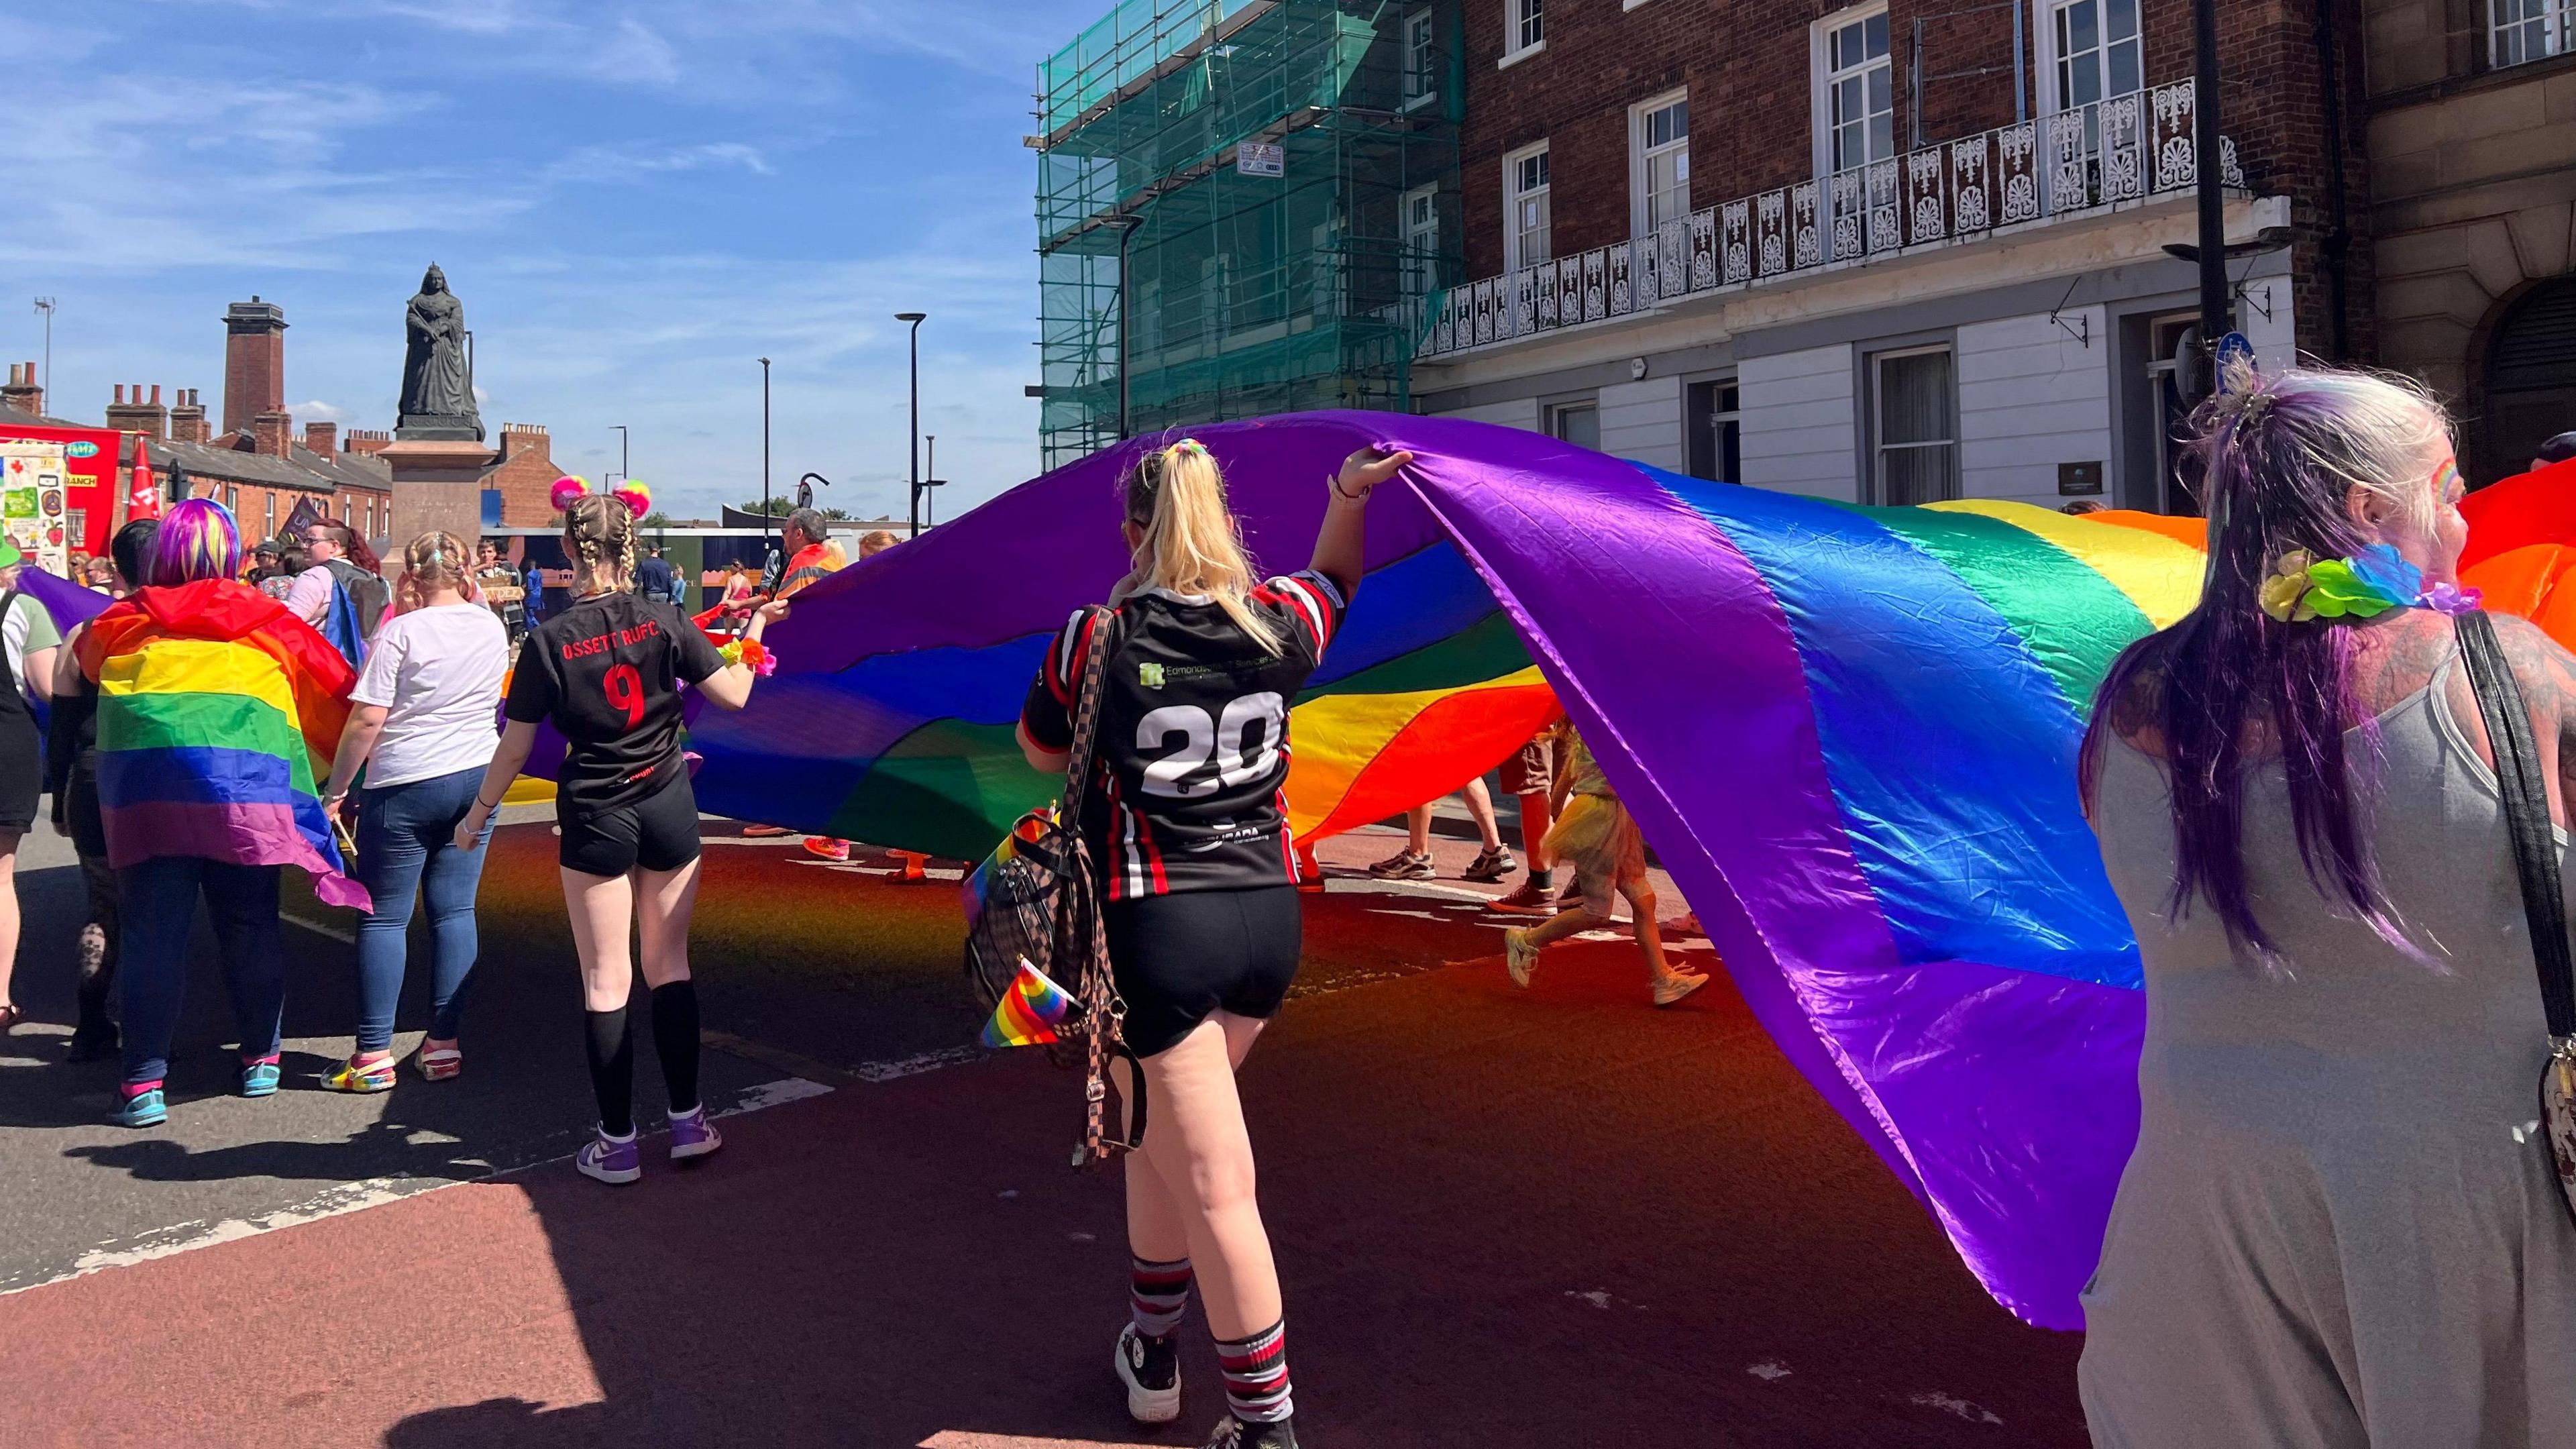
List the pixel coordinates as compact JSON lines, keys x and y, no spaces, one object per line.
{"x":2278,"y":459}
{"x":198,"y":540}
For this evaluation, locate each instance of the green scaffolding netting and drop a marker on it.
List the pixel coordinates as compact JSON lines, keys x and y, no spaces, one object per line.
{"x":1249,"y":293}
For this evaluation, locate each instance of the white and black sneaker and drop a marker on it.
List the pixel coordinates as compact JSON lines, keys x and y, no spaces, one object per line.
{"x":1151,"y":1370}
{"x":1234,"y":1433}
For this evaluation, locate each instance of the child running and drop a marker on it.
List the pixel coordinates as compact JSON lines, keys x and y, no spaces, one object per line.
{"x":606,"y":671}
{"x":1597,"y":838}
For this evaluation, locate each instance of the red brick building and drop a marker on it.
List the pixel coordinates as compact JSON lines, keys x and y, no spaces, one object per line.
{"x":1887,"y":252}
{"x":260,"y":466}
{"x":523,"y":477}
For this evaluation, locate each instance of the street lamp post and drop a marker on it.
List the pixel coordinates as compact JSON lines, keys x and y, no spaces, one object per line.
{"x":1127,"y":228}
{"x":765,"y":549}
{"x":2214,"y":308}
{"x":623,"y":475}
{"x":916,"y":319}
{"x":45,"y":305}
{"x":931,"y":448}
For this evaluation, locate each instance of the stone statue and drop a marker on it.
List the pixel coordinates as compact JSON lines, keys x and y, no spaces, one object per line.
{"x":438,"y":386}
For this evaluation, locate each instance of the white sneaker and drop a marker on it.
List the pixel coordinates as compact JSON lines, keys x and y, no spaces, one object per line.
{"x":1520,"y":957}
{"x":1669,"y":989}
{"x":1137,"y":1360}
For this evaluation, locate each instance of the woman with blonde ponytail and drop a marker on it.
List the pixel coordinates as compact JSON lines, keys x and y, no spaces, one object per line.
{"x":606,"y":672}
{"x":1198,"y":887}
{"x":422,"y":730}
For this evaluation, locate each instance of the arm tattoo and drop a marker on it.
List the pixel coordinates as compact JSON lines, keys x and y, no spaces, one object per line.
{"x":2547,"y":674}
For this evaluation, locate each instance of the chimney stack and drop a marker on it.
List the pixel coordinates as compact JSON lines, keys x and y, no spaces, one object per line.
{"x":270,"y":432}
{"x":369,"y":441}
{"x":188,"y":418}
{"x":22,"y":392}
{"x":322,"y":439}
{"x":131,"y":414}
{"x":254,"y":362}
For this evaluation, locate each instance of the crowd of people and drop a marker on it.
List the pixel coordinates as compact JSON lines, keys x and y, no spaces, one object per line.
{"x":209,"y":674}
{"x":2339,"y":1226}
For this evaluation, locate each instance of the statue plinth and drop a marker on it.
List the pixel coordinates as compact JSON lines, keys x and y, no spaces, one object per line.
{"x":437,"y":483}
{"x":440,"y":428}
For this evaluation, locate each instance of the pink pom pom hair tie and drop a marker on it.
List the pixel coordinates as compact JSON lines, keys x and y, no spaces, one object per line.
{"x":635,"y":496}
{"x":567,"y":491}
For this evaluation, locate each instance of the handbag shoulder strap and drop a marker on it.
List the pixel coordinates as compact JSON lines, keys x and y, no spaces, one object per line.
{"x":1086,"y":711}
{"x":2526,"y":811}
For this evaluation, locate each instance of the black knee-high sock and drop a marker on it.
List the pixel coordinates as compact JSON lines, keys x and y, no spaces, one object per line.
{"x":612,"y":1070}
{"x":675,"y":1041}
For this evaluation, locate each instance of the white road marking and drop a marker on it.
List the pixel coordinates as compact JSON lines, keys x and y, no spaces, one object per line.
{"x":342,"y":1198}
{"x":1956,"y":1408}
{"x":348,"y":938}
{"x":1770,"y":1370}
{"x":178,"y":1238}
{"x":914,"y":1066}
{"x":775,"y":1094}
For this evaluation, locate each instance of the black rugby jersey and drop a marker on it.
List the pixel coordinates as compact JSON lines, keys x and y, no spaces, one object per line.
{"x":1193,"y":736}
{"x":607,"y":672}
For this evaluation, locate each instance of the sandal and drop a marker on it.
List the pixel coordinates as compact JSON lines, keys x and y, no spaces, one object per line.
{"x":439,"y":1062}
{"x":349,"y":1076}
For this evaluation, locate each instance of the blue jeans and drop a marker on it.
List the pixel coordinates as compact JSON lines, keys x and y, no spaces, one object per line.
{"x":407,"y":844}
{"x":152,"y":974}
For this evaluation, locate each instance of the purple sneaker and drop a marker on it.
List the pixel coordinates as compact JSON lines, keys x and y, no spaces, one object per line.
{"x":610,"y":1159}
{"x":692,"y":1135}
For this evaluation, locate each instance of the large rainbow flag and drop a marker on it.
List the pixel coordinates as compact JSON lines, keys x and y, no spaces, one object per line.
{"x":213,"y":741}
{"x":1849,"y":733}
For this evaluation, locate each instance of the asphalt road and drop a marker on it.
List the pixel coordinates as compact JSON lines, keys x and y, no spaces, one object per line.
{"x":1541,"y":1218}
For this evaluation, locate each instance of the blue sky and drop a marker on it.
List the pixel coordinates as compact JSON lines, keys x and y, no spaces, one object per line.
{"x":634,"y":201}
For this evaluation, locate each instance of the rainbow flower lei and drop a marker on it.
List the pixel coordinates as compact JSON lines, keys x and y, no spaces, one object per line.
{"x":749,"y":652}
{"x":2303,"y":587}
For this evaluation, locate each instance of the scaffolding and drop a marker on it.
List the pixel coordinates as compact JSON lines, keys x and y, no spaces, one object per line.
{"x":1247,"y":293}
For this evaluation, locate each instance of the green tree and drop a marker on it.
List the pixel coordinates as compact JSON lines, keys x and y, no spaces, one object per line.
{"x":781,"y":506}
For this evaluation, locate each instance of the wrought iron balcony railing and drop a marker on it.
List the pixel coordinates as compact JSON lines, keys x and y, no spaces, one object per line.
{"x":2088,"y":159}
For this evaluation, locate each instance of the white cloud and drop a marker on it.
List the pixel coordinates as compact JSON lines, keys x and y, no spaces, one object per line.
{"x":633,"y":53}
{"x":672,"y":191}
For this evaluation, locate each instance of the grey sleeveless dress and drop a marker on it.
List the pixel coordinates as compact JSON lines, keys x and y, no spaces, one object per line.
{"x":2340,"y":1227}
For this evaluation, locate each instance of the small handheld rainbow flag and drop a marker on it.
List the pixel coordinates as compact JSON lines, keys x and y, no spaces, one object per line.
{"x":1029,"y":1010}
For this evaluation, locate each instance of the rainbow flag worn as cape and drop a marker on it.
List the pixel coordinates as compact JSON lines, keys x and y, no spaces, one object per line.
{"x":218,"y":715}
{"x":1028,"y":1011}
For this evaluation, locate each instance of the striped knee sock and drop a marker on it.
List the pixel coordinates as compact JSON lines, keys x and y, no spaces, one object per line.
{"x":1159,"y":1296}
{"x":1256,"y":1375}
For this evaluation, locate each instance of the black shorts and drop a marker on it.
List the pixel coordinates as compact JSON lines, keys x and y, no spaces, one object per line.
{"x":659,"y":832}
{"x":1177,"y":958}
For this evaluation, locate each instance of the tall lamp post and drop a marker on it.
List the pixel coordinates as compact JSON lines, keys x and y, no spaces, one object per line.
{"x":2214,"y":309}
{"x":45,"y":305}
{"x":916,"y":319}
{"x":765,"y":549}
{"x":1127,"y":228}
{"x":622,"y":474}
{"x":934,"y":480}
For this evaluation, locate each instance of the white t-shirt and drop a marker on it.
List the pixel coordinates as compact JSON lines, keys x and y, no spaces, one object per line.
{"x":437,"y":672}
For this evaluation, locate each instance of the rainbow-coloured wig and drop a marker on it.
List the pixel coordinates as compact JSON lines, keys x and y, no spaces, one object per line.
{"x":198,"y":540}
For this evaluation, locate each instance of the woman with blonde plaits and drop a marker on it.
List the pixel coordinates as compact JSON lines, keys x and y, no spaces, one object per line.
{"x":422,"y":730}
{"x":606,"y":671}
{"x":1198,"y":890}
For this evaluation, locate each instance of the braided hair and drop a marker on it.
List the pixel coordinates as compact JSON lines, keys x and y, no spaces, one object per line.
{"x":599,"y":534}
{"x":435,"y":560}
